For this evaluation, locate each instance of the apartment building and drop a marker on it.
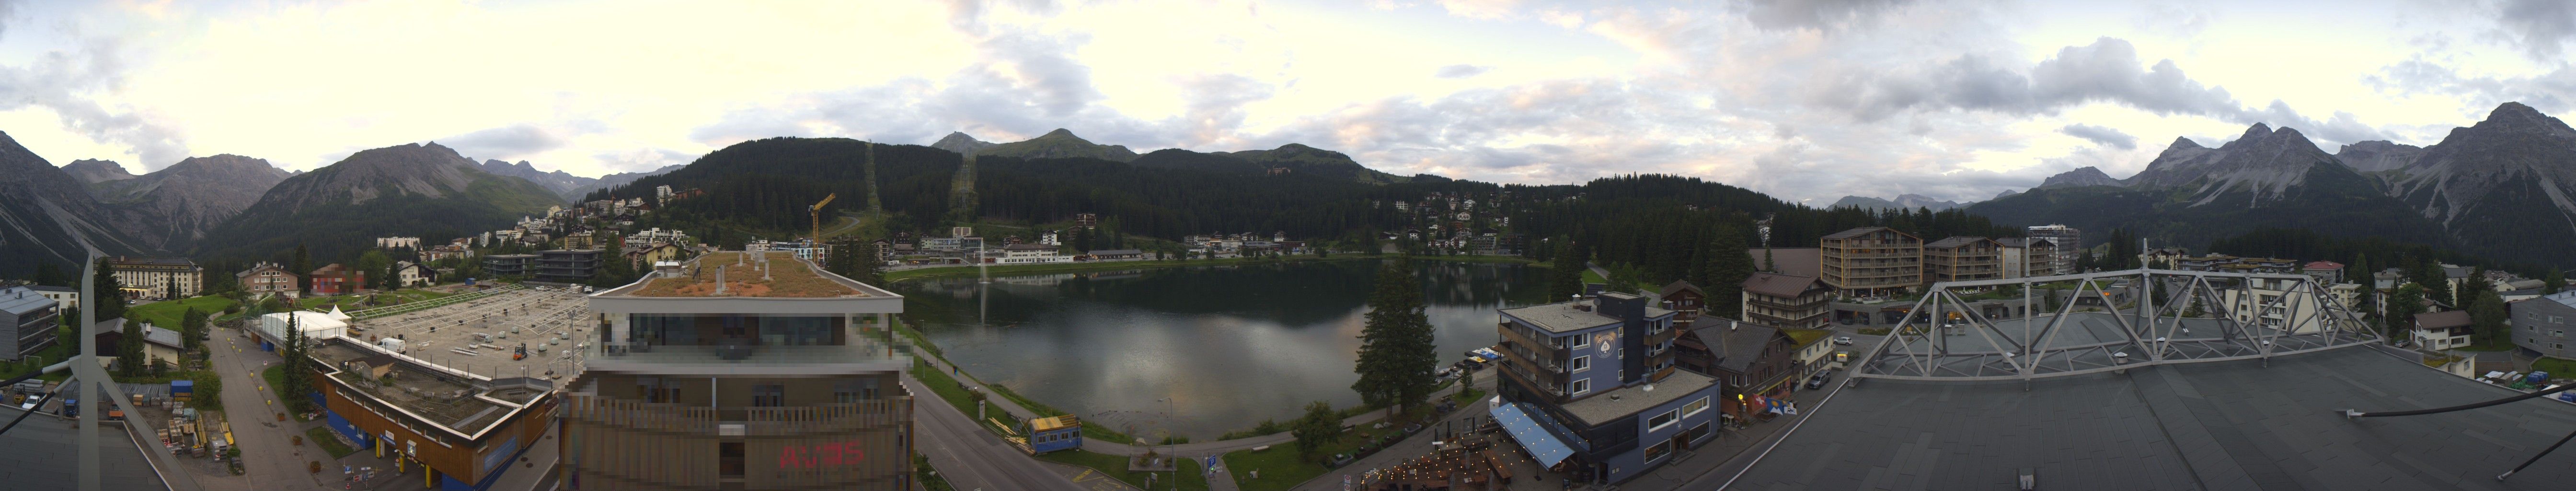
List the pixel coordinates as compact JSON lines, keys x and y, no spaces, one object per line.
{"x":1590,"y":384}
{"x":509,"y":265}
{"x":1870,"y":261}
{"x":2542,"y":324}
{"x":2067,"y":240}
{"x":740,"y":370}
{"x":1962,"y":259}
{"x":266,"y":278}
{"x":1780,"y":300}
{"x":29,"y":323}
{"x":154,"y":277}
{"x":337,"y":279}
{"x":398,"y":242}
{"x":567,"y":266}
{"x":2025,"y":257}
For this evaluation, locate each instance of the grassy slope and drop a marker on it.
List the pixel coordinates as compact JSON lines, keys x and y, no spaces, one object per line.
{"x":165,"y":314}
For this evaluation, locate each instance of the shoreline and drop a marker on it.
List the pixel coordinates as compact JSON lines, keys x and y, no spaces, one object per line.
{"x":940,"y":271}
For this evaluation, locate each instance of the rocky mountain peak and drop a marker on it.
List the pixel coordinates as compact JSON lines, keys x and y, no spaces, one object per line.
{"x":2265,"y":162}
{"x":2183,"y":142}
{"x":2378,"y":155}
{"x":1060,"y":133}
{"x":93,"y":171}
{"x":2256,"y":132}
{"x":2081,"y":176}
{"x":961,"y":143}
{"x":2514,"y":116}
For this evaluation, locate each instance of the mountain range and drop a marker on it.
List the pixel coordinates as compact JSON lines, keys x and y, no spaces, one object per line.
{"x":405,"y":190}
{"x":1287,"y":159}
{"x":2494,"y":189}
{"x":1902,"y":202}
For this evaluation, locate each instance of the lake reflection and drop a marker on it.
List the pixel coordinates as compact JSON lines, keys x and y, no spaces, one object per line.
{"x":1231,"y":345}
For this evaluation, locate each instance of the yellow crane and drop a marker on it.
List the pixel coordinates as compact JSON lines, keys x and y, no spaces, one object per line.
{"x":816,"y":212}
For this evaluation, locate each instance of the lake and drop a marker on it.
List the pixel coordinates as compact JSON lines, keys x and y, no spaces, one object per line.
{"x":1229,"y":345}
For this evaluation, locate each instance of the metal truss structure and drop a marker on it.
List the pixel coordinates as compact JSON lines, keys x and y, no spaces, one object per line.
{"x":2109,"y":321}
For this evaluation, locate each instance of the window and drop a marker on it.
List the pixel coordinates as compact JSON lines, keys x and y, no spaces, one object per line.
{"x":1580,"y":386}
{"x":1578,"y":364}
{"x":730,"y":459}
{"x":1662,"y":421}
{"x":1582,"y":341}
{"x":1658,"y":450}
{"x":1694,"y":407}
{"x":768,"y":395}
{"x":849,"y":391}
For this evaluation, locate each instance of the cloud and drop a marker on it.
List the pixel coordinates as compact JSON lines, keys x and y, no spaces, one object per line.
{"x":8,"y":9}
{"x":2101,"y":136}
{"x":70,"y":85}
{"x":507,"y":142}
{"x":2552,"y":92}
{"x":2540,"y":26}
{"x":1816,"y":14}
{"x":1460,"y":71}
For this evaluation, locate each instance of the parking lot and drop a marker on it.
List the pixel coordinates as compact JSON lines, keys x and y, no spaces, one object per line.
{"x":486,"y":335}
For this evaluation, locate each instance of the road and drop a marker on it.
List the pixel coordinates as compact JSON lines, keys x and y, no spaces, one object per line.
{"x":972,"y":458}
{"x":268,"y":459}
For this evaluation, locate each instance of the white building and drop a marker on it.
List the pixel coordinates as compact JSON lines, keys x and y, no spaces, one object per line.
{"x":656,"y":235}
{"x":1031,"y":254}
{"x":2442,"y":330}
{"x":395,"y":242}
{"x":64,"y":297}
{"x":2068,"y":240}
{"x":315,"y":325}
{"x":151,"y":278}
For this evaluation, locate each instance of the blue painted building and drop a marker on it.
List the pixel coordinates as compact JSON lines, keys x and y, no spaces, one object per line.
{"x":1590,"y":389}
{"x":1053,"y":433}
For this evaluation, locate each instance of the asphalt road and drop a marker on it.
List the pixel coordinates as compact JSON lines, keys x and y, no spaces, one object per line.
{"x":972,"y":458}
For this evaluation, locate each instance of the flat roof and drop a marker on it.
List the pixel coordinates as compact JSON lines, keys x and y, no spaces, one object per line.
{"x":40,"y":456}
{"x":2222,"y":425}
{"x":1561,"y":316}
{"x":787,"y":277}
{"x":455,"y":402}
{"x":1618,"y":403}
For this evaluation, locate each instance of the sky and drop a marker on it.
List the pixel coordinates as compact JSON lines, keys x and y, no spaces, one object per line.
{"x":1802,"y":99}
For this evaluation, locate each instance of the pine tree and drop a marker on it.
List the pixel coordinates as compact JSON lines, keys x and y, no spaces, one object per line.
{"x":296,"y":383}
{"x":1565,"y":276}
{"x":303,"y":269}
{"x":2555,"y":281}
{"x":2403,"y":304}
{"x":129,"y":350}
{"x":48,"y":274}
{"x":1727,"y":270}
{"x":2487,"y":313}
{"x":106,"y":293}
{"x":192,"y":329}
{"x":1396,"y":356}
{"x":71,"y":336}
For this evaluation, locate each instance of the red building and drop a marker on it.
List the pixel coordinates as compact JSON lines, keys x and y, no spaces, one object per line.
{"x":337,"y":280}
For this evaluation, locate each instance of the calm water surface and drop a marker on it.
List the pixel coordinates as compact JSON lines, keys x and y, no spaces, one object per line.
{"x":1230,"y":346}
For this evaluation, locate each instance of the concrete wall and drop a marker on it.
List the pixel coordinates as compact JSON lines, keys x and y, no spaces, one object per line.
{"x":2545,"y":326}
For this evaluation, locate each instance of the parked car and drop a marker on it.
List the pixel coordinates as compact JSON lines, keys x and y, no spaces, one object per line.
{"x":1816,"y":382}
{"x":1340,"y":459}
{"x":1844,"y":340}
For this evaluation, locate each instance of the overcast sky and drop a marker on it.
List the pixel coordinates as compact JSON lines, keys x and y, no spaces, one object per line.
{"x":1799,"y":99}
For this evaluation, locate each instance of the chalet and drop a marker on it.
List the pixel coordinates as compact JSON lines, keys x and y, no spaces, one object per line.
{"x":1789,"y":301}
{"x":1685,"y":299}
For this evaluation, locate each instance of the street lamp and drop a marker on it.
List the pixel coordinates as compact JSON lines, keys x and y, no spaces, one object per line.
{"x":1170,"y":414}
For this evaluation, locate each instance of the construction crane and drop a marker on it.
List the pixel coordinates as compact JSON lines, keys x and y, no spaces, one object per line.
{"x":816,"y":212}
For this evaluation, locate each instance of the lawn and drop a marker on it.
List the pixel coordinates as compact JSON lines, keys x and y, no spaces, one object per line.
{"x":1590,"y":276}
{"x":322,"y":436}
{"x":165,"y":314}
{"x":2557,"y":367}
{"x":956,"y":395}
{"x":1280,"y":466}
{"x":930,"y":478}
{"x":1191,"y":479}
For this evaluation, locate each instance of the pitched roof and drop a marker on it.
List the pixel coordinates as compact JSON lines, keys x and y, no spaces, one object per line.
{"x":2322,"y":265}
{"x":1856,"y":232}
{"x":1800,"y":261}
{"x":1678,"y":286}
{"x":1741,"y":343}
{"x":2022,"y":241}
{"x":1116,"y":252}
{"x":1778,"y":285}
{"x":1954,"y":242}
{"x":2442,"y":320}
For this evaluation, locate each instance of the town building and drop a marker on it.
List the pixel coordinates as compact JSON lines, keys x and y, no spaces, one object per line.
{"x":581,"y":241}
{"x":2162,"y":257}
{"x":162,"y":345}
{"x":2443,"y":330}
{"x":64,"y":297}
{"x":398,"y":243}
{"x":1588,"y":387}
{"x":2025,"y":257}
{"x":409,"y":274}
{"x":2275,"y":302}
{"x":2326,"y":272}
{"x":271,"y":329}
{"x":1684,"y":299}
{"x":1029,"y":254}
{"x":151,"y":278}
{"x":335,"y":279}
{"x":656,"y":235}
{"x":29,"y":323}
{"x":567,"y":266}
{"x":1117,"y":255}
{"x":2542,"y":324}
{"x":266,"y":278}
{"x":455,"y":429}
{"x":510,"y":265}
{"x":1962,"y":259}
{"x":771,"y":375}
{"x":653,"y":254}
{"x":1870,"y":261}
{"x":1755,"y":362}
{"x":1790,"y":301}
{"x":2068,"y":240}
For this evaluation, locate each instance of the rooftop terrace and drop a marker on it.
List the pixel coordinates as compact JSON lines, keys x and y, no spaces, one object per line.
{"x":746,"y":274}
{"x":460,"y":403}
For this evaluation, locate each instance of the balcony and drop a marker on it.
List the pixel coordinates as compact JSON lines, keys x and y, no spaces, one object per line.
{"x":755,"y":422}
{"x":862,"y":355}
